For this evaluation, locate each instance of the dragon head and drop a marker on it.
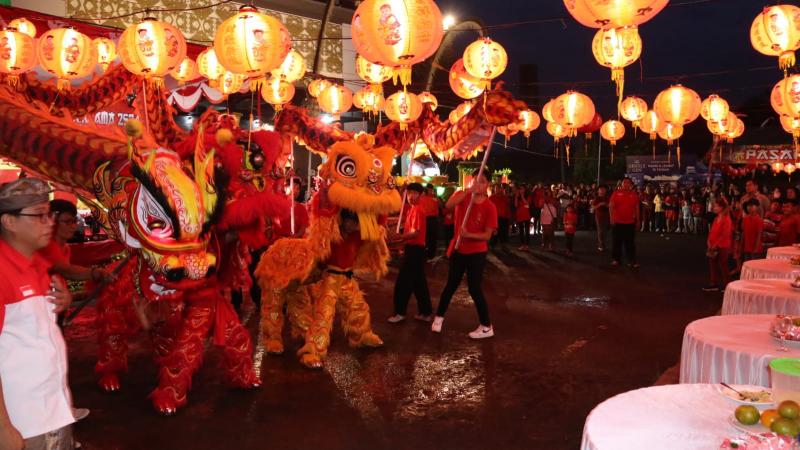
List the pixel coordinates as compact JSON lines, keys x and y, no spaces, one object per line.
{"x":359,"y":180}
{"x":162,"y":211}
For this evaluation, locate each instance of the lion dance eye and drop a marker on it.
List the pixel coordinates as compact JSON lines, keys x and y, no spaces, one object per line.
{"x":346,"y":167}
{"x":377,"y":163}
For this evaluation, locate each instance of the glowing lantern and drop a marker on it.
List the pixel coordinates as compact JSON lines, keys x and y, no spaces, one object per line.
{"x":614,"y":13}
{"x":24,"y":26}
{"x":368,"y":100}
{"x":186,"y":71}
{"x":152,"y":49}
{"x":292,"y":68}
{"x":403,"y":107}
{"x":462,"y":83}
{"x":252,"y":44}
{"x":714,"y":108}
{"x":670,"y":132}
{"x":335,"y":99}
{"x":651,"y":123}
{"x":317,"y":86}
{"x":106,"y":52}
{"x":461,"y":110}
{"x":785,"y":97}
{"x":20,"y":50}
{"x":429,"y":99}
{"x":67,"y":54}
{"x":527,"y":122}
{"x":572,"y":110}
{"x":591,"y":127}
{"x":397,"y":33}
{"x":677,"y":105}
{"x":791,"y":126}
{"x":633,"y":109}
{"x":374,"y":74}
{"x":557,"y":131}
{"x":776,"y":32}
{"x":789,"y":168}
{"x":277,"y":92}
{"x":617,"y":48}
{"x":547,"y":111}
{"x":208,"y":65}
{"x":485,"y":59}
{"x":735,"y":132}
{"x":724,"y":126}
{"x":230,"y":83}
{"x":777,"y":167}
{"x":508,"y":131}
{"x":612,"y":131}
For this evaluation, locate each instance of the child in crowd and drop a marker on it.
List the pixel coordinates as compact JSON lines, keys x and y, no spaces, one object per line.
{"x":570,"y":226}
{"x":752,"y":227}
{"x":686,"y":216}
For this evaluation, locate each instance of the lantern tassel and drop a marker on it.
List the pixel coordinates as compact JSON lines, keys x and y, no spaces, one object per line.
{"x":612,"y":153}
{"x":567,"y":154}
{"x":678,"y":154}
{"x":403,"y":73}
{"x":257,"y":83}
{"x":63,"y":84}
{"x":618,"y":76}
{"x":786,"y":61}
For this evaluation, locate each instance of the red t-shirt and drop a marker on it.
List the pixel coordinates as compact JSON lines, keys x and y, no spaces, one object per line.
{"x":502,"y":204}
{"x":20,"y":277}
{"x":415,"y":221}
{"x":523,"y":213}
{"x":752,"y":226}
{"x":55,"y":254}
{"x":625,"y":204}
{"x":284,"y":227}
{"x":570,"y":222}
{"x":600,"y":210}
{"x":430,"y":206}
{"x":343,"y":254}
{"x":787,"y":230}
{"x":721,"y":232}
{"x":483,"y":216}
{"x":538,"y":198}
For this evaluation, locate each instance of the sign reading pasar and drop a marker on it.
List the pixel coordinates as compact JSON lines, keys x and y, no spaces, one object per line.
{"x":762,"y":154}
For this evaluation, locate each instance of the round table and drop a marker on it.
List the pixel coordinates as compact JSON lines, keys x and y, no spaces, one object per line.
{"x":769,"y":268}
{"x":784,"y":253}
{"x":732,"y":349}
{"x":774,"y":296}
{"x":676,"y":416}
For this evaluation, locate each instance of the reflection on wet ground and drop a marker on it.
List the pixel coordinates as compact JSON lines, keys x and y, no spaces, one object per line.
{"x":570,"y":333}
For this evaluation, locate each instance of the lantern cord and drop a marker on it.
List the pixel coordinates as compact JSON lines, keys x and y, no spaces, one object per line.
{"x":654,"y":149}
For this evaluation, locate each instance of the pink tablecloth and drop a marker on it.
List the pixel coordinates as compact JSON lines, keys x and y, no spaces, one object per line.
{"x":768,"y":296}
{"x":769,"y":268}
{"x":787,"y":252}
{"x":677,"y":417}
{"x":734,"y":349}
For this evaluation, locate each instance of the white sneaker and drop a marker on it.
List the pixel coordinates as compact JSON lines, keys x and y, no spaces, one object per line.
{"x":424,"y":318}
{"x":436,"y":326}
{"x":397,"y":318}
{"x":482,"y":332}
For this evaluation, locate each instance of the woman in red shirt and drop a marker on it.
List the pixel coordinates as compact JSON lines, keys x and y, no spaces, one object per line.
{"x":719,"y":246}
{"x":523,"y":216}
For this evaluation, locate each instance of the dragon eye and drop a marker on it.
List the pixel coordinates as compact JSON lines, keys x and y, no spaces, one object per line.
{"x":156,"y":224}
{"x":346,"y":166}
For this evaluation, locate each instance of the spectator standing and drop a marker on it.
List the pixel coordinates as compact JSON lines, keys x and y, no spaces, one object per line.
{"x":658,"y":209}
{"x":624,"y":209}
{"x":752,"y":229}
{"x":718,"y":246}
{"x":523,"y":216}
{"x":537,"y":204}
{"x":789,"y":226}
{"x":601,"y":217}
{"x":503,"y":205}
{"x":570,"y":226}
{"x":752,"y":193}
{"x":549,"y":217}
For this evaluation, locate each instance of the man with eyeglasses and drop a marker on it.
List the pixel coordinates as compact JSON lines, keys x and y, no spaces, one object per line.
{"x":35,"y":401}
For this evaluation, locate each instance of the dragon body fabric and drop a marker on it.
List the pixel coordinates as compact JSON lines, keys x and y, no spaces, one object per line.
{"x":155,"y":203}
{"x":357,"y":188}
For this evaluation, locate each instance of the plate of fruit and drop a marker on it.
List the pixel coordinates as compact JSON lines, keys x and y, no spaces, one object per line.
{"x":786,"y":327}
{"x":783,"y":420}
{"x":747,"y":395}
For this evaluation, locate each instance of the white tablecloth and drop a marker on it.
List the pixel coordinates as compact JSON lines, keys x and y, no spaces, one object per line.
{"x":734,"y":349}
{"x":769,"y":268}
{"x":676,"y":416}
{"x":786,"y":253}
{"x":774,"y":296}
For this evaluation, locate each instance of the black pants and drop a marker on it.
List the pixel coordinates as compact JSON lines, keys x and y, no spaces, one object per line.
{"x":570,"y":239}
{"x":431,"y":235}
{"x":411,"y":279}
{"x":661,"y":222}
{"x":524,"y":232}
{"x":473,"y":265}
{"x":623,"y":236}
{"x":449,"y":231}
{"x":255,"y":289}
{"x":502,"y":230}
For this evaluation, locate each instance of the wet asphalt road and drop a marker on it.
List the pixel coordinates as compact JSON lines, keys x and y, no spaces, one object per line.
{"x":570,"y":332}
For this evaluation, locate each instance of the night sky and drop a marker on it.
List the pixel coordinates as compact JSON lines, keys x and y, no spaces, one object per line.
{"x":684,"y":43}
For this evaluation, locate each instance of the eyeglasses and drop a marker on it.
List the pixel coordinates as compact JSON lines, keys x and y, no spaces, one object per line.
{"x":43,"y":217}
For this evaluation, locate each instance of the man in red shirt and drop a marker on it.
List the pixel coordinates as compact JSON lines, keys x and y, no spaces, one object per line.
{"x":35,"y":402}
{"x":789,"y":226}
{"x":624,"y":210}
{"x":470,"y":256}
{"x":411,"y":278}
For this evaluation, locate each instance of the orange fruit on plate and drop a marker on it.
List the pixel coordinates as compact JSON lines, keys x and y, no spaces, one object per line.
{"x":769,"y":416}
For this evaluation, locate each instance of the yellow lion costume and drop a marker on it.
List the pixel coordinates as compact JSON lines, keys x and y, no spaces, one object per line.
{"x":346,"y":237}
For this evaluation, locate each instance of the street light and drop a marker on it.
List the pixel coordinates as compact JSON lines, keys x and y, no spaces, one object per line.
{"x":448,"y":21}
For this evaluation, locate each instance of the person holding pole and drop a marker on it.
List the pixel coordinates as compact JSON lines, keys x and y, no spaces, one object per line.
{"x":476,"y":222}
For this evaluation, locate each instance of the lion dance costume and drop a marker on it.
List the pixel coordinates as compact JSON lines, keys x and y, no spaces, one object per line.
{"x":357,"y":188}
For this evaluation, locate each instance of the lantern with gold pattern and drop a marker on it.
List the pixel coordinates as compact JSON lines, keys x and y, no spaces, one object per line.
{"x":617,"y":48}
{"x":335,"y":99}
{"x":292,"y":68}
{"x":368,"y":100}
{"x":315,"y":87}
{"x":714,"y":108}
{"x":651,"y":123}
{"x":462,"y":83}
{"x":106,"y":52}
{"x":20,"y":50}
{"x":277,"y":92}
{"x":403,"y":108}
{"x":633,"y":109}
{"x":614,"y":13}
{"x":374,"y":74}
{"x":677,"y":105}
{"x":612,"y":131}
{"x":152,"y":49}
{"x":186,"y":71}
{"x":572,"y":110}
{"x":776,"y":32}
{"x":208,"y":65}
{"x":66,"y":53}
{"x":485,"y":59}
{"x":23,"y":25}
{"x":785,"y":97}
